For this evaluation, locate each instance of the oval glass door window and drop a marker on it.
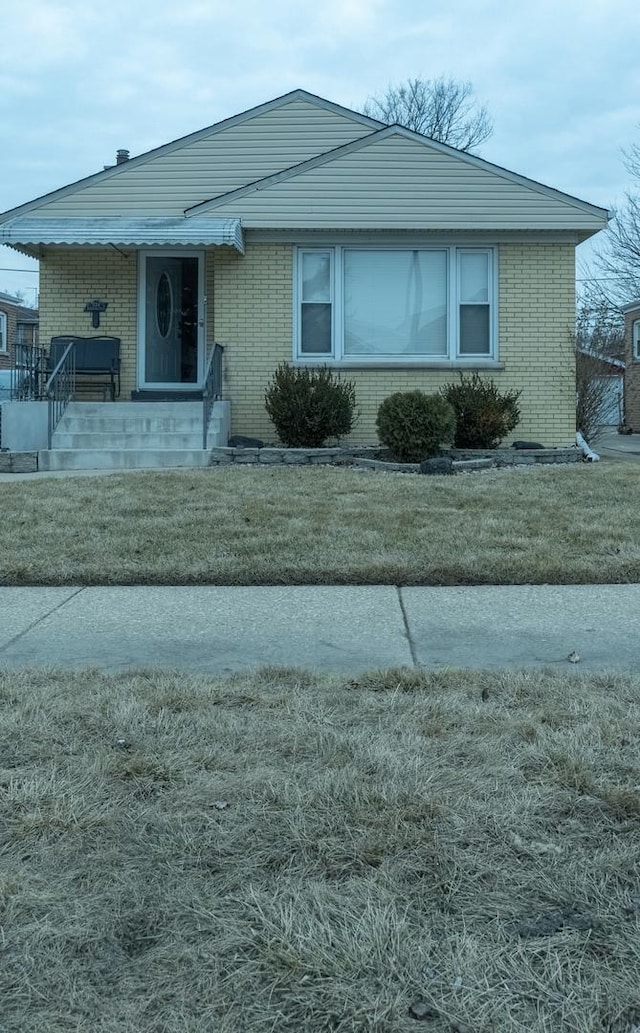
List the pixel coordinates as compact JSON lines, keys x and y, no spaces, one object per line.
{"x":164,"y":305}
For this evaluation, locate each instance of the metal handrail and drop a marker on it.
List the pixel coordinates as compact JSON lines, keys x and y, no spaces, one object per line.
{"x":60,"y":387}
{"x":28,"y":371}
{"x":212,"y":388}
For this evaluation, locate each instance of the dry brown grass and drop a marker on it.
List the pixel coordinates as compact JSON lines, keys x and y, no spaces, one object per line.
{"x":247,"y":526}
{"x":293,"y":853}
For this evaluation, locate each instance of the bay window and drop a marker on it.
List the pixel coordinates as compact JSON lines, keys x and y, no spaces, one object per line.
{"x":395,"y":304}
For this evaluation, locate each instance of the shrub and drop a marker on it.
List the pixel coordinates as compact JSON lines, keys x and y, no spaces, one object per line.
{"x":307,"y":406}
{"x":484,"y":416}
{"x":413,"y":425}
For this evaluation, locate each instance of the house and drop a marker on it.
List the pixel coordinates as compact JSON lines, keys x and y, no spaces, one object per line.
{"x":304,"y":232}
{"x":632,"y":366}
{"x":18,"y":325}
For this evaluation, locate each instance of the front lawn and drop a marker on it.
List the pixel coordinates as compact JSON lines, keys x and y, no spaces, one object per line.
{"x":280,"y":851}
{"x":248,"y":525}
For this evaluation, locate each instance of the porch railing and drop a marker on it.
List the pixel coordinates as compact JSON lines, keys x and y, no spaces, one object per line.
{"x":212,"y":389}
{"x":60,"y":387}
{"x":28,"y":372}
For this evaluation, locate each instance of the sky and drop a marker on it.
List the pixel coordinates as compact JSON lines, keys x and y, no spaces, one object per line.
{"x":80,"y":79}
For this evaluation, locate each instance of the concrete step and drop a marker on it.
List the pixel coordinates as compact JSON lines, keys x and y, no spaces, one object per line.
{"x":130,"y":425}
{"x":121,"y":458}
{"x":132,"y":417}
{"x":110,"y":409}
{"x":86,"y":438}
{"x":134,"y":435}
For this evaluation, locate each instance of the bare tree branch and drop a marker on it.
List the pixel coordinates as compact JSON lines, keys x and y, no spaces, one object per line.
{"x":618,"y":257}
{"x":442,"y":109}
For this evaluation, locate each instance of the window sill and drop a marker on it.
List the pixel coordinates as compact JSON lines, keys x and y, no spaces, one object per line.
{"x":458,"y":364}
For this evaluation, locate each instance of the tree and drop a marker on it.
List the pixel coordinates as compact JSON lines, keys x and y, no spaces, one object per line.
{"x":599,"y":327}
{"x":442,"y":109}
{"x":618,"y":259}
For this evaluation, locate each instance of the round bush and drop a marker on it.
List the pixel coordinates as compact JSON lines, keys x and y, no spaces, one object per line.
{"x":413,"y":425}
{"x":307,"y":406}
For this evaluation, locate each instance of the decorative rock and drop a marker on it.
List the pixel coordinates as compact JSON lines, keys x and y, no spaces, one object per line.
{"x":270,"y":455}
{"x":24,"y":462}
{"x":218,"y":456}
{"x":526,"y":444}
{"x":240,"y":441}
{"x":294,"y":455}
{"x":439,"y":465}
{"x":246,"y":455}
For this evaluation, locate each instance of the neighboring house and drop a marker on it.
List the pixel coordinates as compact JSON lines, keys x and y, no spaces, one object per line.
{"x":610,"y":374}
{"x":18,"y":325}
{"x":304,"y":232}
{"x":632,"y":370}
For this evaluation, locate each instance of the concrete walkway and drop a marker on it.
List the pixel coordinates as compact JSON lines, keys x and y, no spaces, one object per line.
{"x":611,"y":445}
{"x":339,"y":629}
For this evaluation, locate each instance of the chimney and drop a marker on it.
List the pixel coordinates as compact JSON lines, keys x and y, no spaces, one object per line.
{"x":121,"y":157}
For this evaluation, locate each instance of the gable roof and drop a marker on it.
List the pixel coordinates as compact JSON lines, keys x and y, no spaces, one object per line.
{"x":298,"y":162}
{"x":397,"y":178}
{"x":255,"y":143}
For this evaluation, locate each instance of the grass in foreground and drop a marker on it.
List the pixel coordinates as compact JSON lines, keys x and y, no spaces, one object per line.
{"x":247,"y":526}
{"x":285,"y":852}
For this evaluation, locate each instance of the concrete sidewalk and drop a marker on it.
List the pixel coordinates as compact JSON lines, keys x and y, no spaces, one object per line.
{"x":339,"y":629}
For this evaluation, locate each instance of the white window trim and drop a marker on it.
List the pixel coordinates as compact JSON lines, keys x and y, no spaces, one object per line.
{"x":4,"y":329}
{"x":635,"y":339}
{"x":453,"y":358}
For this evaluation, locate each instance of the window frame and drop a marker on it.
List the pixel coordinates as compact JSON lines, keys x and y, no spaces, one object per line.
{"x":299,"y":301}
{"x":635,"y":339}
{"x":453,"y":356}
{"x":4,"y":330}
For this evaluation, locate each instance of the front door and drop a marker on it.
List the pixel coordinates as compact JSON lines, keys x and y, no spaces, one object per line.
{"x":171,"y":322}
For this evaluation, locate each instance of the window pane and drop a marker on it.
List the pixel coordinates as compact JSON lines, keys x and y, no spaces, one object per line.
{"x":315,"y":329}
{"x":395,"y":302}
{"x":316,"y":276}
{"x":474,"y":278}
{"x":474,"y":330}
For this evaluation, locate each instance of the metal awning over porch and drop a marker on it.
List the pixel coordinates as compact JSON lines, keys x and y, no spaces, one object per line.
{"x":30,"y":231}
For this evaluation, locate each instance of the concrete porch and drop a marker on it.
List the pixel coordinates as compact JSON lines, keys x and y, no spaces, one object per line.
{"x":117,"y":435}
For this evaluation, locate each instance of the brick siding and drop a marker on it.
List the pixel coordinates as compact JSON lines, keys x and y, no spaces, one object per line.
{"x":631,"y":374}
{"x":250,"y":312}
{"x":253,"y":300}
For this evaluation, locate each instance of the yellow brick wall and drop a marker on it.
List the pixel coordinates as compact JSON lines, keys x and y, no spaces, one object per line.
{"x":249,"y":311}
{"x":69,"y":279}
{"x":253,"y":299}
{"x":254,"y":322}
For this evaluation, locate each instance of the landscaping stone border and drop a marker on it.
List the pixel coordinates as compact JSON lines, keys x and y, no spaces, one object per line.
{"x":18,"y":462}
{"x":361,"y":457}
